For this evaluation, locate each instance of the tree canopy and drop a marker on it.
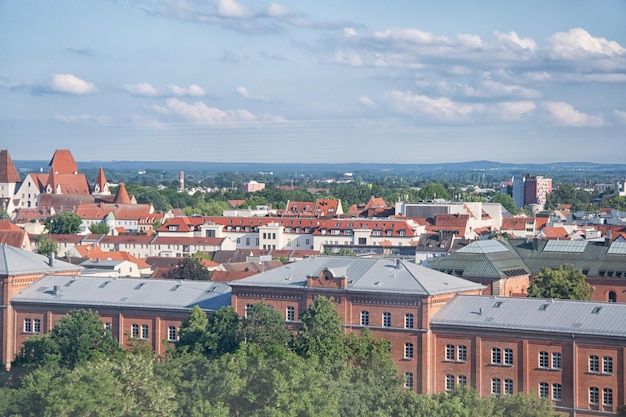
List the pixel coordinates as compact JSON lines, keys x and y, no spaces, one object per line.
{"x":190,"y":268}
{"x":563,"y":282}
{"x":99,"y":228}
{"x":63,"y":224}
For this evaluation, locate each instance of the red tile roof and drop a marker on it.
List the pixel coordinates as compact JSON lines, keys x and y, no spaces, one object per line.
{"x":122,"y":195}
{"x":101,"y":182}
{"x":63,"y":162}
{"x":7,"y":225}
{"x":517,"y":223}
{"x":235,"y":203}
{"x":8,"y":173}
{"x":184,"y":240}
{"x":554,"y":233}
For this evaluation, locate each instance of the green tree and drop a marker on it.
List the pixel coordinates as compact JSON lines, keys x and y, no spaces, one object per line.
{"x":563,"y":282}
{"x":264,"y":327}
{"x":434,"y":190}
{"x":506,"y":200}
{"x":81,"y":336}
{"x":38,"y":351}
{"x":194,"y":332}
{"x":63,"y":223}
{"x":99,"y":228}
{"x":321,"y":335}
{"x":190,"y":268}
{"x":46,"y":246}
{"x":223,"y":335}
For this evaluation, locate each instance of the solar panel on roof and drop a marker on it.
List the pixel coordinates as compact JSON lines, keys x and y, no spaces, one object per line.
{"x":617,"y":248}
{"x":484,"y":246}
{"x":577,"y":246}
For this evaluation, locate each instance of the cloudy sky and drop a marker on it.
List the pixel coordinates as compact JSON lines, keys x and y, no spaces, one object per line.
{"x":314,"y":81}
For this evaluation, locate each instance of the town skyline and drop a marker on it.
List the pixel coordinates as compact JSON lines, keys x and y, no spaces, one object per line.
{"x":242,"y":81}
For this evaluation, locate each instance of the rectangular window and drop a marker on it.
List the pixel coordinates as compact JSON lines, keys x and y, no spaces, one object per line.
{"x":594,"y":364}
{"x":508,"y":357}
{"x":556,"y":360}
{"x":134,"y":330}
{"x":557,"y":392}
{"x":543,"y":389}
{"x":462,"y":353}
{"x":408,"y":380}
{"x":462,"y":381}
{"x":247,"y":241}
{"x":607,"y":396}
{"x":594,"y":394}
{"x":365,"y":318}
{"x":171,"y":334}
{"x":496,"y":356}
{"x":449,"y":382}
{"x":607,"y":363}
{"x":28,"y":325}
{"x":291,"y":313}
{"x":449,"y":352}
{"x":508,"y":386}
{"x":408,"y":321}
{"x":37,"y":326}
{"x":408,"y":351}
{"x":496,"y":385}
{"x":386,"y":319}
{"x":543,"y":359}
{"x":145,"y":331}
{"x":249,"y":308}
{"x":108,"y":326}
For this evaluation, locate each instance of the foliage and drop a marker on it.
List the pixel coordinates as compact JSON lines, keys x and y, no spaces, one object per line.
{"x":340,"y":252}
{"x":38,"y":351}
{"x":264,"y":327}
{"x":63,"y":223}
{"x":193,"y":332}
{"x":563,"y":282}
{"x":99,"y":228}
{"x":579,"y":198}
{"x":223,"y":334}
{"x":321,"y":335}
{"x":507,"y":202}
{"x":190,"y":268}
{"x":46,"y":246}
{"x":615,"y":202}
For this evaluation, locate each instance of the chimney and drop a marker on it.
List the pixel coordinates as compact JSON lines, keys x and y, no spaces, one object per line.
{"x":398,"y":263}
{"x":608,"y":238}
{"x":56,"y":290}
{"x":51,"y":259}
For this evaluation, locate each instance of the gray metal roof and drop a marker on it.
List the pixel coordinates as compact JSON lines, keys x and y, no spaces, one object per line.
{"x":364,"y":275}
{"x":16,"y":261}
{"x":128,"y":293}
{"x":102,"y":263}
{"x":534,"y":314}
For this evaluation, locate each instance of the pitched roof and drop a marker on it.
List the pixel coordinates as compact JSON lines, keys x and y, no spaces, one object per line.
{"x":122,"y":195}
{"x":69,"y":183}
{"x":8,"y":173}
{"x":364,"y":275}
{"x":101,"y":182}
{"x":15,"y":261}
{"x":63,"y":162}
{"x":98,"y":292}
{"x":533,"y":314}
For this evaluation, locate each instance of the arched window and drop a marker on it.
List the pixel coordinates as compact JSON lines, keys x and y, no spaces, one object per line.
{"x":612,"y":297}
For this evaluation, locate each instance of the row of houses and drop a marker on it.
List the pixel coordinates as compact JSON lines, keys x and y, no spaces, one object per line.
{"x":443,"y":331}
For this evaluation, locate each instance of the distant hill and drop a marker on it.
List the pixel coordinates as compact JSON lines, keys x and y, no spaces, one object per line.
{"x":251,"y":167}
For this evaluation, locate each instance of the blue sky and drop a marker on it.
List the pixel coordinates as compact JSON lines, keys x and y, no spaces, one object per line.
{"x":314,"y":81}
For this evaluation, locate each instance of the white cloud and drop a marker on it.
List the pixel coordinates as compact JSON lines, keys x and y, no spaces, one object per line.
{"x":346,"y":57}
{"x":278,"y":10}
{"x":565,"y":114}
{"x":366,"y":101}
{"x":70,"y":84}
{"x":620,"y":115}
{"x":349,"y":33}
{"x":200,"y":113}
{"x":577,"y":43}
{"x":538,"y":75}
{"x":243,"y":92}
{"x":230,"y":8}
{"x":141,"y":89}
{"x":472,"y":41}
{"x":494,"y":88}
{"x":512,"y":39}
{"x":84,"y":119}
{"x":514,"y":110}
{"x":441,"y":107}
{"x":147,"y":122}
{"x":192,"y":91}
{"x":409,"y":35}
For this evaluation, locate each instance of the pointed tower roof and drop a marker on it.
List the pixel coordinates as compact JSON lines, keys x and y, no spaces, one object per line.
{"x":122,"y":195}
{"x":8,"y":173}
{"x":63,"y":162}
{"x":101,"y":186}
